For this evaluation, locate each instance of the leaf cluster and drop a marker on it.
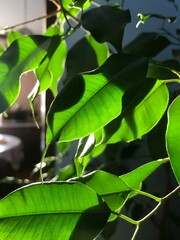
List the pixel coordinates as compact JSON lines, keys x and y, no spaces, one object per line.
{"x":104,"y":93}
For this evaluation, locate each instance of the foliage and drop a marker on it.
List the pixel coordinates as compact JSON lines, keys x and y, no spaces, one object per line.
{"x":105,"y":93}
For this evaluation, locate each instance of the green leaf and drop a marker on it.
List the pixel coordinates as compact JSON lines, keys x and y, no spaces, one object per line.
{"x":92,"y":56}
{"x":52,"y":67}
{"x":12,"y":36}
{"x":91,"y":100}
{"x":23,"y":55}
{"x":107,"y":23}
{"x":144,"y":17}
{"x":135,"y":178}
{"x":110,"y":187}
{"x":147,"y":44}
{"x":2,"y":49}
{"x":141,"y":117}
{"x":85,"y":146}
{"x":79,"y":3}
{"x":52,"y":211}
{"x":173,"y":136}
{"x":116,"y":190}
{"x":162,"y":73}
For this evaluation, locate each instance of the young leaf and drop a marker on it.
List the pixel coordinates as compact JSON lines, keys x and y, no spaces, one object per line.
{"x":107,"y":23}
{"x":27,"y":54}
{"x":85,"y":146}
{"x":52,"y":211}
{"x":91,"y":100}
{"x":173,"y":136}
{"x":144,"y":17}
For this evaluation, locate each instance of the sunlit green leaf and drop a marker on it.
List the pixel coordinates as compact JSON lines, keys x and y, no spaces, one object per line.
{"x":2,"y":49}
{"x":173,"y":136}
{"x":135,"y":178}
{"x":110,"y":187}
{"x":52,"y":67}
{"x":142,"y":117}
{"x":27,"y":54}
{"x":52,"y":211}
{"x":12,"y":36}
{"x":91,"y":100}
{"x":85,"y":146}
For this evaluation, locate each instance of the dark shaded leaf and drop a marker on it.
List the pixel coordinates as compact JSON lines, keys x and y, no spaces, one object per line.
{"x":147,"y":44}
{"x":107,"y":23}
{"x":92,"y":56}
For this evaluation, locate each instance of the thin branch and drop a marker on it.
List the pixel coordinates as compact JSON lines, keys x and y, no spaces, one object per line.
{"x":171,"y":193}
{"x":135,"y":232}
{"x":31,"y":21}
{"x":52,"y":14}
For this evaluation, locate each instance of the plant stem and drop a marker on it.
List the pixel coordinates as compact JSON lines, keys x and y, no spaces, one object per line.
{"x":148,"y":195}
{"x":41,"y":163}
{"x":150,"y":213}
{"x":135,"y":232}
{"x":128,"y":219}
{"x":171,"y":193}
{"x":30,"y":21}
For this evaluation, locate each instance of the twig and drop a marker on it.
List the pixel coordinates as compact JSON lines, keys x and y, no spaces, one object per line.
{"x":31,"y":21}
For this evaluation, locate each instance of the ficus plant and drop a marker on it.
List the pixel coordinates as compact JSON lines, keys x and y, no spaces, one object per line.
{"x":104,"y":93}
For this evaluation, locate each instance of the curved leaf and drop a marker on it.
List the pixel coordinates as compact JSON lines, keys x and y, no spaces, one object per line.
{"x":110,"y":187}
{"x":162,"y":72}
{"x":91,"y":100}
{"x":116,"y":190}
{"x":107,"y":23}
{"x":23,"y":55}
{"x":85,"y":146}
{"x":12,"y":36}
{"x":137,"y":121}
{"x":173,"y":136}
{"x":147,"y":44}
{"x":135,"y":178}
{"x":93,"y":54}
{"x":52,"y":211}
{"x":52,"y":67}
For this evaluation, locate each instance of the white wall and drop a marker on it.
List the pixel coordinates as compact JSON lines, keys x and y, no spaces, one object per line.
{"x":14,"y":12}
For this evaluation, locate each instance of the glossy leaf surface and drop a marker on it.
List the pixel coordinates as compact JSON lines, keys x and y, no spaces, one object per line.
{"x":110,"y":187}
{"x":116,"y":190}
{"x":27,"y":54}
{"x":135,"y":178}
{"x":142,"y":117}
{"x":52,"y":211}
{"x":52,"y":67}
{"x":173,"y":136}
{"x":93,"y":99}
